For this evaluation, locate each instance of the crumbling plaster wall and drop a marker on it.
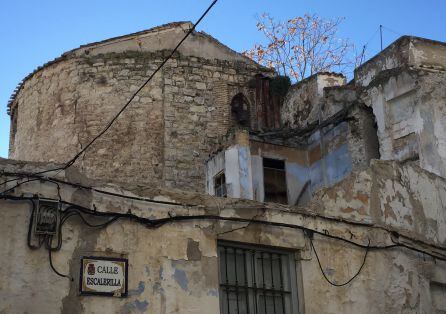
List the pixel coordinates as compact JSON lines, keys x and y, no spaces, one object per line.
{"x":340,"y":130}
{"x":174,"y":268}
{"x":394,"y":56}
{"x":236,"y":164}
{"x":409,"y":106}
{"x":301,"y":105}
{"x":401,"y":196}
{"x":329,"y":160}
{"x":326,"y":157}
{"x":407,"y":51}
{"x":163,"y":137}
{"x":404,"y":85}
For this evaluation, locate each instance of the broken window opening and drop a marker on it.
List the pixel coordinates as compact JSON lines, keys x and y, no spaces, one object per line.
{"x":220,"y":185}
{"x":256,"y":280}
{"x":240,"y":110}
{"x":274,"y":178}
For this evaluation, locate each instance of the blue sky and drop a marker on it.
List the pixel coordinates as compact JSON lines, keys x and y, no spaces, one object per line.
{"x":34,"y":32}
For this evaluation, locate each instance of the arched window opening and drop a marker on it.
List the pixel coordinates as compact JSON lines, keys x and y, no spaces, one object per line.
{"x":240,"y":110}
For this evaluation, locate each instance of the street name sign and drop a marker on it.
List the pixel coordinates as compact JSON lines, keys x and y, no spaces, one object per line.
{"x":103,"y":276}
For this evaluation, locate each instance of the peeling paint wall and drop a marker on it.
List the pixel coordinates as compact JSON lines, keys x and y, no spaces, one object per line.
{"x":409,"y":109}
{"x":174,"y":268}
{"x":404,"y":197}
{"x":341,"y":133}
{"x":405,"y":87}
{"x":235,"y":162}
{"x":321,"y":163}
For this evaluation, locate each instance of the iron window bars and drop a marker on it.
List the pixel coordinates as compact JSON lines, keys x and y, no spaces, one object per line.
{"x":256,"y":280}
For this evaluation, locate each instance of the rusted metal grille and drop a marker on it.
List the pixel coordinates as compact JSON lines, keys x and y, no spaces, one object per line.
{"x":254,"y":280}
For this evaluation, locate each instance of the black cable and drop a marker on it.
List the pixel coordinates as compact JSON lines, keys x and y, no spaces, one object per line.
{"x":109,"y":124}
{"x":30,"y":227}
{"x":325,"y":276}
{"x":102,"y":225}
{"x":392,"y":31}
{"x":17,"y":185}
{"x":49,"y":240}
{"x":156,"y":223}
{"x":69,"y":213}
{"x":34,"y":174}
{"x":35,"y":177}
{"x":364,"y":47}
{"x":54,"y":180}
{"x":73,"y":160}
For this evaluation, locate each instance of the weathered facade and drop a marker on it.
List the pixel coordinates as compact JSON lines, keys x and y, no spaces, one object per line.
{"x":392,"y":109}
{"x":335,"y":193}
{"x":174,"y":268}
{"x":164,"y":136}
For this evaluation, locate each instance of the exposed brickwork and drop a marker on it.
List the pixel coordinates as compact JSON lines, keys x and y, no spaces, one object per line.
{"x":164,"y":137}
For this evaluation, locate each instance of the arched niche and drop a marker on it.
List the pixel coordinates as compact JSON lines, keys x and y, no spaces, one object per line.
{"x":240,"y":110}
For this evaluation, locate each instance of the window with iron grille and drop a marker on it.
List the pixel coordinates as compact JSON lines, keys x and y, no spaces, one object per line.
{"x":220,"y":185}
{"x":256,"y":280}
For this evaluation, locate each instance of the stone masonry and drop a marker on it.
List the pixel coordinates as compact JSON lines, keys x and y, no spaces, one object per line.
{"x":166,"y":133}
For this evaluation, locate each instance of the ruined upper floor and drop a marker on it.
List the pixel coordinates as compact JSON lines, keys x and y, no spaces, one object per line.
{"x":393,"y":109}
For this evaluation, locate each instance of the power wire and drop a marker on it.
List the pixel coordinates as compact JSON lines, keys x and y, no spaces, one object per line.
{"x":52,"y":180}
{"x":378,"y":30}
{"x":73,"y":210}
{"x":392,"y":31}
{"x":18,"y":184}
{"x":77,"y":185}
{"x":109,"y":124}
{"x":73,"y":160}
{"x":323,"y":272}
{"x":364,"y":47}
{"x":51,"y":261}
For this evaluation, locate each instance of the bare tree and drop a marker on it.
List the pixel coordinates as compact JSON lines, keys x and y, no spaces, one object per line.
{"x":302,"y":46}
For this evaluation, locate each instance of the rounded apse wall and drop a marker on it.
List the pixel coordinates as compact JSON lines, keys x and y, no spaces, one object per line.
{"x":164,"y":136}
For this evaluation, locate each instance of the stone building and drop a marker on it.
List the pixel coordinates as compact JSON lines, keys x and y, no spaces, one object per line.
{"x":221,"y":191}
{"x":166,"y":134}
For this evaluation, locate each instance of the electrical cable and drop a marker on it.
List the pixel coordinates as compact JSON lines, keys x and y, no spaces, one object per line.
{"x":49,"y":239}
{"x":392,"y":31}
{"x":111,"y":122}
{"x":30,"y":226}
{"x":156,"y":223}
{"x":326,"y":277}
{"x":142,"y":199}
{"x":372,"y":37}
{"x":76,"y":213}
{"x":17,"y":185}
{"x":364,"y":47}
{"x":74,"y":210}
{"x":55,"y":180}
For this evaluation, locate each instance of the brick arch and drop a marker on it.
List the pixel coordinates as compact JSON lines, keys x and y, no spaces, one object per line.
{"x":240,"y":110}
